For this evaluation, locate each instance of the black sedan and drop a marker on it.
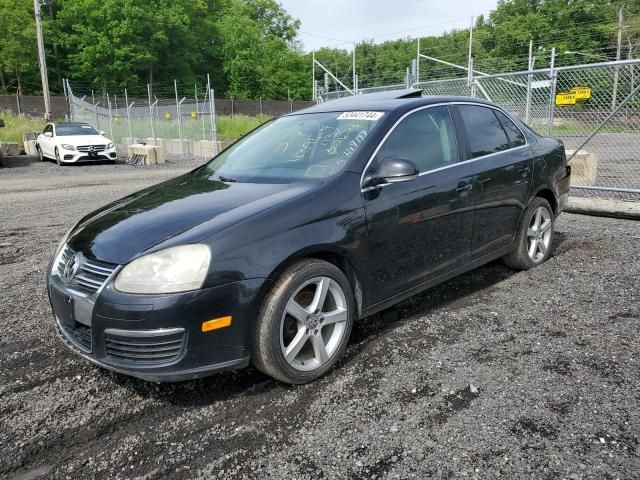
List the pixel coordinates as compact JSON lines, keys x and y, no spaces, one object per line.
{"x":268,"y":253}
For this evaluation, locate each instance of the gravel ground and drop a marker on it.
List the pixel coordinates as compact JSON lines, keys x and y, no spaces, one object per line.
{"x":494,"y":374}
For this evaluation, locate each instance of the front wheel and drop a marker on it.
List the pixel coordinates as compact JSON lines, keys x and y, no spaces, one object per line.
{"x":304,"y":323}
{"x":40,"y":155}
{"x":58,"y":160}
{"x":534,"y":237}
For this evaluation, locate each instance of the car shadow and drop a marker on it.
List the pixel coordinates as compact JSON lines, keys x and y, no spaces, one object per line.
{"x":248,"y":382}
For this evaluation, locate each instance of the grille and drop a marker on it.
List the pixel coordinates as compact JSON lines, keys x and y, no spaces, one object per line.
{"x":91,"y":275}
{"x":79,"y":334}
{"x":96,"y":148}
{"x":144,"y":348}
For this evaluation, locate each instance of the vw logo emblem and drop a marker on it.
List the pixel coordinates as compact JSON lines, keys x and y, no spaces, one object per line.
{"x":70,"y":268}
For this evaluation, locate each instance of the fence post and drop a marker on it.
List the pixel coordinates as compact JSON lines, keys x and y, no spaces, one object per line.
{"x":95,"y":109}
{"x":153,"y":132}
{"x":527,"y":111}
{"x":126,"y":99}
{"x":231,"y":107}
{"x":470,"y":60}
{"x":261,"y":106}
{"x":553,"y":75}
{"x":212,"y":113}
{"x":110,"y":117}
{"x":178,"y":112}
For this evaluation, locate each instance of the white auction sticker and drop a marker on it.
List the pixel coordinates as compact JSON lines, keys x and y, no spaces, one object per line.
{"x":371,"y":116}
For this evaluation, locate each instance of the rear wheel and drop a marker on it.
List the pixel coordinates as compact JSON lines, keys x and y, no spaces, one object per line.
{"x":534,"y":237}
{"x":304,"y":323}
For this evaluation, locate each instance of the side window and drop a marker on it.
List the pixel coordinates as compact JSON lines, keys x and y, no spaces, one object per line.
{"x":516,"y":137}
{"x":484,"y":131}
{"x":425,"y":137}
{"x":48,"y":128}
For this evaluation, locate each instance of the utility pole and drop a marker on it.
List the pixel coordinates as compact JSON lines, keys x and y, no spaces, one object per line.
{"x":42,"y":61}
{"x":616,"y":72}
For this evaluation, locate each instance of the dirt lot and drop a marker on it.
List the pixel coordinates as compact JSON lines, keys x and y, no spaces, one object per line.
{"x":494,"y":374}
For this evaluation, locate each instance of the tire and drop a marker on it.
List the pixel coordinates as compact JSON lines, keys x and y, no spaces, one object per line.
{"x":534,"y":237}
{"x":42,"y":159}
{"x":58,"y":161}
{"x":290,"y":320}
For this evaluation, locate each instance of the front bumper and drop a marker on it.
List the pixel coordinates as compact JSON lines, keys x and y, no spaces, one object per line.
{"x":69,"y":156}
{"x":159,"y":338}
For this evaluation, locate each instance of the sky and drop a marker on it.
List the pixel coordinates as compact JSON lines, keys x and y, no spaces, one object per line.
{"x":356,"y":20}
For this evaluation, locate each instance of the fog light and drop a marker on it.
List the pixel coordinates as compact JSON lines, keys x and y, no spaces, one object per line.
{"x":216,"y":323}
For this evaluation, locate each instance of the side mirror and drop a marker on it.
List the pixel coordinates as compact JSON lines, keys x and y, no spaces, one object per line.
{"x":48,"y":134}
{"x":392,"y":170}
{"x":103,"y":133}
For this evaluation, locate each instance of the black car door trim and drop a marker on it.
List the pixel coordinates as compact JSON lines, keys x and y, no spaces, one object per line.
{"x":457,"y":133}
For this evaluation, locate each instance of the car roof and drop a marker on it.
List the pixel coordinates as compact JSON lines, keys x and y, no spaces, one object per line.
{"x":386,"y":102}
{"x":69,"y":123}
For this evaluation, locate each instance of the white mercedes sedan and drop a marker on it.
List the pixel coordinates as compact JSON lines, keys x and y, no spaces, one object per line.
{"x":74,"y":142}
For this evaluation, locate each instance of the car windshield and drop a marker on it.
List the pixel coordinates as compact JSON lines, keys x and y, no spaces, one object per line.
{"x":292,"y":148}
{"x":67,"y":130}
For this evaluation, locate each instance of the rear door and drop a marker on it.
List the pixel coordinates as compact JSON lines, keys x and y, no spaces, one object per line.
{"x":421,"y":228}
{"x":502,"y":172}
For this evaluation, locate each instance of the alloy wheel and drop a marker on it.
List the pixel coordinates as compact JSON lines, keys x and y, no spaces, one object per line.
{"x":539,"y":234}
{"x":313,"y":324}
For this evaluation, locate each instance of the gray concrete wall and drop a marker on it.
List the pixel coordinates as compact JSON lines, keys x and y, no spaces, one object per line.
{"x":33,"y":105}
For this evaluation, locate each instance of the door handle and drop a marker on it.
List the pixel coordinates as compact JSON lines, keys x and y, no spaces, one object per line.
{"x":464,"y":186}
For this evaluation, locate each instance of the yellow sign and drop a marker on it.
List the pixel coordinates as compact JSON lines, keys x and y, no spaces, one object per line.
{"x":167,"y":115}
{"x":565,"y":98}
{"x":193,"y":115}
{"x":581,"y":93}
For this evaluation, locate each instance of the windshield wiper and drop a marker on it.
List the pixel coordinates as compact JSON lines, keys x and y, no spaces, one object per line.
{"x":227,"y":179}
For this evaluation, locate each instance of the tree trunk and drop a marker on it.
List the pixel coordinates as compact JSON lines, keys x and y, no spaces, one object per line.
{"x":3,"y":83}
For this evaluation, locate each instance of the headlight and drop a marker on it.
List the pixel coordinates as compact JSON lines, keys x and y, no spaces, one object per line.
{"x":110,"y":146}
{"x":176,"y":269}
{"x":66,"y":146}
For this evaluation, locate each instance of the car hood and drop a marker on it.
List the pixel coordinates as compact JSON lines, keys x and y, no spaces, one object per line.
{"x":128,"y":227}
{"x":83,"y":139}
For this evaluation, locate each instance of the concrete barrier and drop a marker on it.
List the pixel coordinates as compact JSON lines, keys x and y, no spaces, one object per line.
{"x":30,"y":147}
{"x":584,"y":167}
{"x":140,"y":154}
{"x":175,"y":147}
{"x":9,"y":149}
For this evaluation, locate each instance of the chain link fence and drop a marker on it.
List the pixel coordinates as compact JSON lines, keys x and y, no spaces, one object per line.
{"x":593,"y":109}
{"x":182,"y":116}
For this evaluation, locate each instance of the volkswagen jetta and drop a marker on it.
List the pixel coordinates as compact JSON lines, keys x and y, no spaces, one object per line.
{"x":270,"y":251}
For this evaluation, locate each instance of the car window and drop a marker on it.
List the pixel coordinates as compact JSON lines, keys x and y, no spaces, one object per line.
{"x":307,"y":146}
{"x":64,"y":130}
{"x":484,"y":131}
{"x":425,"y":137}
{"x":48,"y":128}
{"x":515,"y":135}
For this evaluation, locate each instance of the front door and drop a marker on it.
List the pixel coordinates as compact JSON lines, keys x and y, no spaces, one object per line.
{"x":502,"y":170}
{"x":421,"y":228}
{"x":46,"y":142}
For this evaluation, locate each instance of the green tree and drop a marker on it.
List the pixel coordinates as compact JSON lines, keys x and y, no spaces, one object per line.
{"x":18,"y":45}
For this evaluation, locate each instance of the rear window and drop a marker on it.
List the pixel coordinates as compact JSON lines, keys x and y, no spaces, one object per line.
{"x":68,"y":130}
{"x":484,"y":131}
{"x":516,"y":137}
